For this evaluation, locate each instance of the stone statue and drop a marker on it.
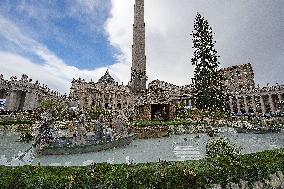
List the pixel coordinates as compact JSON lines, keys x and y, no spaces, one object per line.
{"x":13,"y":78}
{"x":119,"y":122}
{"x":24,"y":77}
{"x":99,"y":128}
{"x":80,"y":130}
{"x":44,"y":136}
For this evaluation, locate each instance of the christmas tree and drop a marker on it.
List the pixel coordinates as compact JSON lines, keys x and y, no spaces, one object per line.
{"x":209,"y":93}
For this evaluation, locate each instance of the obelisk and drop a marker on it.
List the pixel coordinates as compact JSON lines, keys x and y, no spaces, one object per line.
{"x":138,"y":70}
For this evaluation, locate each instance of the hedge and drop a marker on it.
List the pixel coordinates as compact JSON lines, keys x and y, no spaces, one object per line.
{"x":188,"y":174}
{"x":16,"y":122}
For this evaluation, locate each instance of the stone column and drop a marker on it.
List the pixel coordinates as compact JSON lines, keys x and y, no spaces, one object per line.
{"x":231,"y":105}
{"x":127,"y":101}
{"x":107,"y":100}
{"x":12,"y":101}
{"x":172,"y":111}
{"x":190,"y":103}
{"x":238,"y":104}
{"x":121,"y":101}
{"x":90,"y":100}
{"x":28,"y":101}
{"x":271,"y":103}
{"x":253,"y":104}
{"x":147,"y":113}
{"x":263,"y":109}
{"x":280,"y":97}
{"x":84,"y":102}
{"x":7,"y":103}
{"x":2,"y":94}
{"x":246,"y":104}
{"x":114,"y":102}
{"x":103,"y":100}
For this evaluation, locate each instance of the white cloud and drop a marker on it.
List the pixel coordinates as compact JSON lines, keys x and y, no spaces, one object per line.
{"x":56,"y":75}
{"x":16,"y":65}
{"x":90,"y":13}
{"x":54,"y":71}
{"x":119,"y":29}
{"x":246,"y":31}
{"x":167,"y":52}
{"x":88,"y":5}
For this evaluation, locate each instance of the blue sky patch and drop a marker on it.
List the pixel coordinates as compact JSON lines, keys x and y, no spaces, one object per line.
{"x":72,"y":30}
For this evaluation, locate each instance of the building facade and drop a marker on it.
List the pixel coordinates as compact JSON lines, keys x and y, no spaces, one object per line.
{"x":161,"y":99}
{"x":106,"y":93}
{"x":238,"y":78}
{"x":245,"y":97}
{"x":258,"y":100}
{"x":23,"y":94}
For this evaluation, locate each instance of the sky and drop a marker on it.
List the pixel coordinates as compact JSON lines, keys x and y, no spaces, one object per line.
{"x":56,"y":41}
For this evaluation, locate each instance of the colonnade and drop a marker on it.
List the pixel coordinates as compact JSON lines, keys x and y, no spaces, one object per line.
{"x":22,"y":94}
{"x":257,"y":103}
{"x":115,"y":101}
{"x":21,"y":100}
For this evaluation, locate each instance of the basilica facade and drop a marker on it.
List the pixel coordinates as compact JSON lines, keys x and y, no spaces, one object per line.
{"x":106,"y":93}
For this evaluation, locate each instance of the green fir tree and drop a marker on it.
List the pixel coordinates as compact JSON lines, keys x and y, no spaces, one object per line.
{"x":209,"y":93}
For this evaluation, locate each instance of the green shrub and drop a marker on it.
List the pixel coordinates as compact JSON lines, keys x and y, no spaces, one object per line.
{"x":221,"y":147}
{"x":178,"y":175}
{"x":58,"y":109}
{"x":26,"y":136}
{"x":96,"y":111}
{"x":16,"y":122}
